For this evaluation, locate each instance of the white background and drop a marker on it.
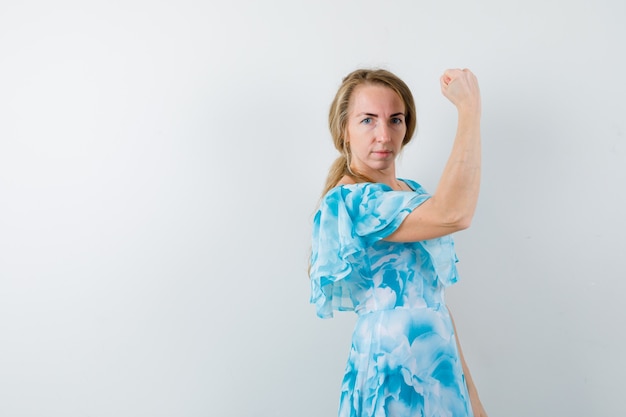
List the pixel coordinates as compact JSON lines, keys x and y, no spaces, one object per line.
{"x":160,"y":163}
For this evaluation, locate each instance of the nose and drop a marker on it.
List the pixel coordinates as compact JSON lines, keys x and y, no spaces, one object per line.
{"x":383,"y":132}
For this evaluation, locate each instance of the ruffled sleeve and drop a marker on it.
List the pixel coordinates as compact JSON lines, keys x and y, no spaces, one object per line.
{"x":351,"y":218}
{"x":443,"y":258}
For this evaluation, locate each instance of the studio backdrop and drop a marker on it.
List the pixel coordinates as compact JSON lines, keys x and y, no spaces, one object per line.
{"x":160,"y":164}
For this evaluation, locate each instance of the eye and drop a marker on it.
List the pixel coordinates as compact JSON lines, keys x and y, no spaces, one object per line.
{"x":396,"y":121}
{"x":366,"y":121}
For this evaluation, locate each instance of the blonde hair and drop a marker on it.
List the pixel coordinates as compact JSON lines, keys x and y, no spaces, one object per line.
{"x":338,"y":118}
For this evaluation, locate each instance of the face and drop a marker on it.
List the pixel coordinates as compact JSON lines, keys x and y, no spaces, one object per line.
{"x":375,"y":130}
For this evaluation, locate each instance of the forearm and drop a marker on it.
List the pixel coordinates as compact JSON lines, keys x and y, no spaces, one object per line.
{"x":457,"y":193}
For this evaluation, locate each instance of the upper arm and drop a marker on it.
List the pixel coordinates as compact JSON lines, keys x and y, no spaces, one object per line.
{"x":427,"y":221}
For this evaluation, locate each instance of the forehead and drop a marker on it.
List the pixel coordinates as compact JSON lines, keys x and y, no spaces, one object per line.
{"x":374,"y":98}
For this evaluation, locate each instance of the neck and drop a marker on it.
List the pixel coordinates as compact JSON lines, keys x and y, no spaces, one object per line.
{"x":387,"y":177}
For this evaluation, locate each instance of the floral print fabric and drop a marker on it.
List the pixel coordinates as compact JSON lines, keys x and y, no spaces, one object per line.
{"x":403,"y":360}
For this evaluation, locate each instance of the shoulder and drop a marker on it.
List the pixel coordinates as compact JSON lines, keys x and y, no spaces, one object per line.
{"x":346,"y":180}
{"x":365,"y":199}
{"x":355,"y":190}
{"x":350,"y":196}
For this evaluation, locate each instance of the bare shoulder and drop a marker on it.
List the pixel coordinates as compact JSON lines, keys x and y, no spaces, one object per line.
{"x":345,"y":180}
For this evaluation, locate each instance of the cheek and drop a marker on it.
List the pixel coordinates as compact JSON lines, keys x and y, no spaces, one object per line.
{"x":402,"y":136}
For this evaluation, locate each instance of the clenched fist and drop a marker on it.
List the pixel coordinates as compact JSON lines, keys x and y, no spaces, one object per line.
{"x":460,"y":86}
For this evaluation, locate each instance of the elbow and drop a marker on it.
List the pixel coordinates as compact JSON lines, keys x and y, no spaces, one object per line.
{"x":464,"y":223}
{"x":459,"y":221}
{"x":452,"y":216}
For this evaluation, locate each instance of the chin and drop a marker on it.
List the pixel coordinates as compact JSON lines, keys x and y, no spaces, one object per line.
{"x":385,"y":164}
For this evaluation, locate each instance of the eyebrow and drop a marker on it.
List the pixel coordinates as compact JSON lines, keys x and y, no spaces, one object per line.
{"x":375,"y":115}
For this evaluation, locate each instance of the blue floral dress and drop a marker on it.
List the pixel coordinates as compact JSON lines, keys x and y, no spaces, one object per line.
{"x":404,"y":359}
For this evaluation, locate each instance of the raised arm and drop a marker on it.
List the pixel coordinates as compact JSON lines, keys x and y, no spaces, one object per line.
{"x":451,"y":208}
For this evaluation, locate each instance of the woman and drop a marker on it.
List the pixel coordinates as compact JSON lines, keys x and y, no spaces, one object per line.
{"x":382,"y":248}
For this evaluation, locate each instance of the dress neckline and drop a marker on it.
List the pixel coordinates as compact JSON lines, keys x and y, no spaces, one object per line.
{"x":406,"y":183}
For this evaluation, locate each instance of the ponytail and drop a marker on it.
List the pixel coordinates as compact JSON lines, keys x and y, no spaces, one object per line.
{"x":337,"y":171}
